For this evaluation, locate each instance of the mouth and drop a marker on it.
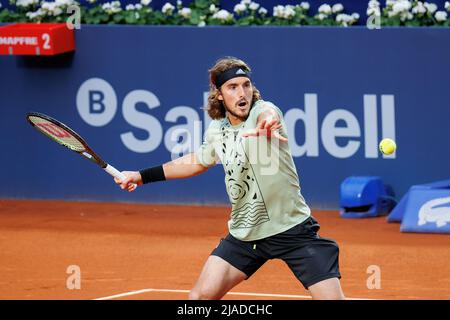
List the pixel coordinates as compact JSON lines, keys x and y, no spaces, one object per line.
{"x":242,"y":104}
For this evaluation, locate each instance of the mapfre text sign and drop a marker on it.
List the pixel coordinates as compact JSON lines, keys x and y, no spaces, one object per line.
{"x":36,"y":39}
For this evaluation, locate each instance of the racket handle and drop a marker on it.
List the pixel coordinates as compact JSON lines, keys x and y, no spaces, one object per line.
{"x":116,"y":173}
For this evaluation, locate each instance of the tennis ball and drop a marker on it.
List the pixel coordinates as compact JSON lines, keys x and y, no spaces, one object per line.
{"x":387,"y":146}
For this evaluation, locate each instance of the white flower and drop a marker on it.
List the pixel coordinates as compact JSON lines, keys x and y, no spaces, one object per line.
{"x":179,"y":3}
{"x":146,"y":2}
{"x":390,"y":2}
{"x":116,"y":5}
{"x":223,"y":15}
{"x":185,"y":13}
{"x":441,"y":16}
{"x":341,"y":17}
{"x":419,"y":8}
{"x":167,"y":9}
{"x":246,"y":2}
{"x":201,"y":24}
{"x":51,"y":8}
{"x":401,"y":6}
{"x":48,"y":6}
{"x":278,"y":11}
{"x":213,"y":9}
{"x":288,"y":12}
{"x":112,"y":7}
{"x":30,"y":15}
{"x":66,"y":3}
{"x":338,"y":7}
{"x":262,"y":11}
{"x":253,"y":6}
{"x":26,"y":3}
{"x":240,"y":8}
{"x":33,"y":15}
{"x":325,"y":9}
{"x":321,"y":16}
{"x":59,"y":3}
{"x":129,"y":7}
{"x":138,"y":6}
{"x":431,"y":7}
{"x":92,"y":1}
{"x":344,"y":19}
{"x":304,"y":5}
{"x":447,"y":5}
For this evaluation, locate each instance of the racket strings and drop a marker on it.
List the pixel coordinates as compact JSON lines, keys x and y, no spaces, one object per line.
{"x":57,"y":133}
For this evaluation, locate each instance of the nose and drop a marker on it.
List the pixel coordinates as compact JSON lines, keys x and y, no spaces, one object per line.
{"x":241,"y":91}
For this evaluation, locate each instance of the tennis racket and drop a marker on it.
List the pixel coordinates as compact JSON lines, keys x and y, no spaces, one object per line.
{"x":65,"y":136}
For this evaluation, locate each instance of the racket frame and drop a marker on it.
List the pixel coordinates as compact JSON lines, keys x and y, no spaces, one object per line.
{"x":87,"y":153}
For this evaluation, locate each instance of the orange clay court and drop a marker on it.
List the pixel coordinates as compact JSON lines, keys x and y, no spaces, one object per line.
{"x":136,"y":251}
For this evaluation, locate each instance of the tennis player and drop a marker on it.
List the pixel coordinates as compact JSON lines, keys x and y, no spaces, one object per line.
{"x":269,"y":218}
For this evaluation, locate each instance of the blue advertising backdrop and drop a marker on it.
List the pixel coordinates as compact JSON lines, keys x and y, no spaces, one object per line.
{"x":128,"y":90}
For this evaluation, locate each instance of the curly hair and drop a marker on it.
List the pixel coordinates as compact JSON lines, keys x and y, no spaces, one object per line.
{"x":215,"y":108}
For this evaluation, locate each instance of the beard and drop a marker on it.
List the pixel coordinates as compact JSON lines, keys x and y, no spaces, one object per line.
{"x":236,"y":115}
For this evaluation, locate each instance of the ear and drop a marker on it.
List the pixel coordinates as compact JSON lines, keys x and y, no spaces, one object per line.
{"x":220,"y":97}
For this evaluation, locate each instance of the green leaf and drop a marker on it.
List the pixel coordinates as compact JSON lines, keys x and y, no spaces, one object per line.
{"x":202,"y":4}
{"x":195,"y":17}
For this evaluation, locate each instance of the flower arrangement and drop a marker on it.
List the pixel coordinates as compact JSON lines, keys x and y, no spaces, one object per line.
{"x":208,"y":12}
{"x":409,"y":13}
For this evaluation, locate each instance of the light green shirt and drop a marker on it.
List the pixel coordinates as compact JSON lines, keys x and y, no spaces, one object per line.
{"x":260,"y":177}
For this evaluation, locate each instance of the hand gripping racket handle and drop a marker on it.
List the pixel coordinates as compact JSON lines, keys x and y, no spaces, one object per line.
{"x":116,"y":173}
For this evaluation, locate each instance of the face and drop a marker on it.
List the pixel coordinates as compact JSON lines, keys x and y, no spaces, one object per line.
{"x":237,"y":95}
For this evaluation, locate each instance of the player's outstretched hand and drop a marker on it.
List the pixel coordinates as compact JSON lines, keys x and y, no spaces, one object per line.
{"x":266,"y":128}
{"x":133,"y":179}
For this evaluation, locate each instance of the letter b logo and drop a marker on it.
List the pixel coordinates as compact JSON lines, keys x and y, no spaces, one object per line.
{"x":96,"y":102}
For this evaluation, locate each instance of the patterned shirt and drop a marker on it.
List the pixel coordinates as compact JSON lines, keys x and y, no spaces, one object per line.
{"x":260,"y":177}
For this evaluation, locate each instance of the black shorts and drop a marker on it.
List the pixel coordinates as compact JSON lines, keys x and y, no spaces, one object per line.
{"x":310,"y":257}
